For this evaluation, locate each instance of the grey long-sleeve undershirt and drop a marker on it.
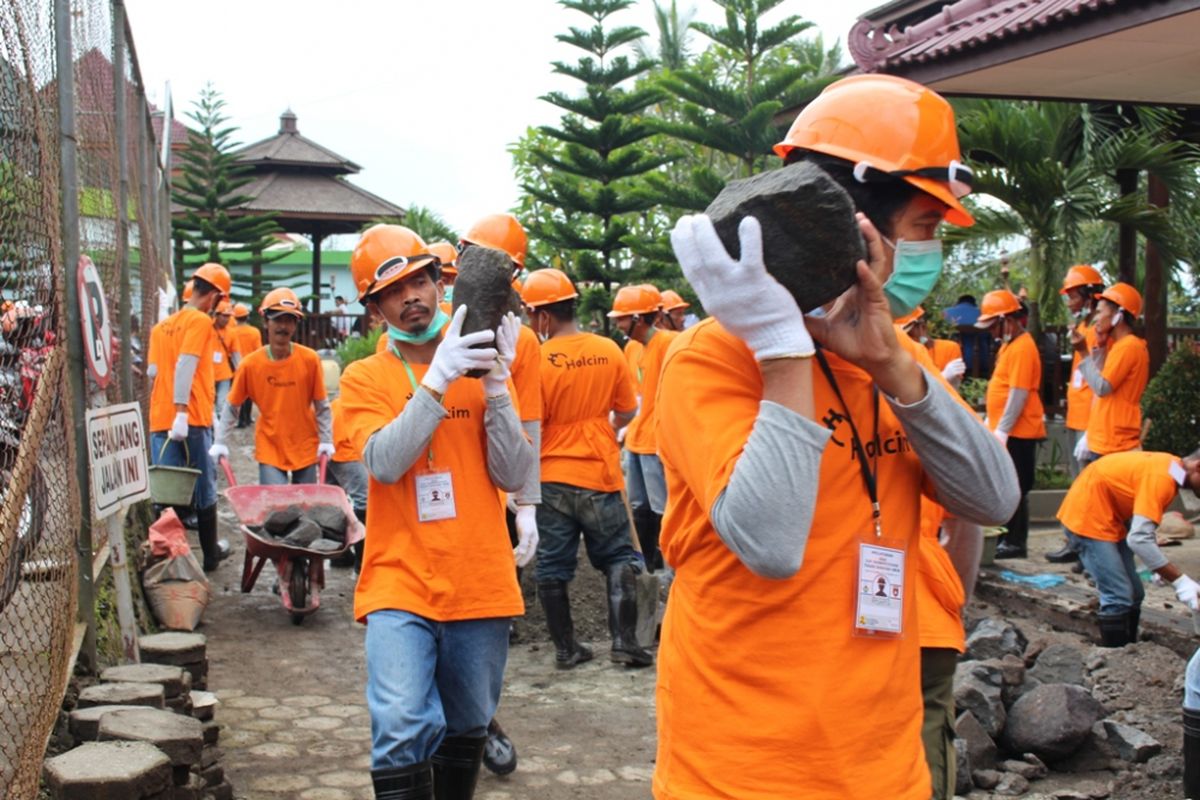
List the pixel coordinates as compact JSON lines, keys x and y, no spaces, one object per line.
{"x":965,"y":547}
{"x":510,"y":456}
{"x":185,"y":371}
{"x":1143,"y":541}
{"x":531,"y":493}
{"x":1092,"y":369}
{"x":1013,"y":407}
{"x":324,"y":420}
{"x":763,"y":515}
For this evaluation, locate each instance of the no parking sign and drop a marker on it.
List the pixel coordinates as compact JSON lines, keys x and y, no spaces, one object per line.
{"x":97,"y":327}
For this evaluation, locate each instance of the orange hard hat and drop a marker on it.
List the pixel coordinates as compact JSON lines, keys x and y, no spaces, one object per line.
{"x":385,"y":254}
{"x":885,"y":124}
{"x":672,"y":300}
{"x":187,"y":291}
{"x":1081,"y":275}
{"x":644,"y":299}
{"x":500,"y":232}
{"x":911,"y":317}
{"x":546,"y":286}
{"x":281,"y":301}
{"x":447,"y":254}
{"x":215,"y":274}
{"x":1125,"y":296}
{"x":241,"y":311}
{"x":223,"y":307}
{"x":999,"y":303}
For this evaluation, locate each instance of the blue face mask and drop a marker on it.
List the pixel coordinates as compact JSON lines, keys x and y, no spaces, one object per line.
{"x":449,"y":297}
{"x":916,"y":268}
{"x":435,"y":327}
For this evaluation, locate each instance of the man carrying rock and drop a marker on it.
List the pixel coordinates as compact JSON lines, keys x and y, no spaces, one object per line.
{"x":286,"y":382}
{"x":1111,"y":513}
{"x":437,"y":587}
{"x":584,"y":381}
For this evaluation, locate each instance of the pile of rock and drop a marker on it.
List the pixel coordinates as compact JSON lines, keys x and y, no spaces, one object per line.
{"x":320,"y":527}
{"x":1021,"y":708}
{"x":144,"y":732}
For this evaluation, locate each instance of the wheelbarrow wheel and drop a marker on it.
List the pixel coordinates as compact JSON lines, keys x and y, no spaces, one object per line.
{"x":298,"y":592}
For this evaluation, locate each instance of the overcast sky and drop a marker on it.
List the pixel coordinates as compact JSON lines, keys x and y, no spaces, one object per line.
{"x":424,"y":96}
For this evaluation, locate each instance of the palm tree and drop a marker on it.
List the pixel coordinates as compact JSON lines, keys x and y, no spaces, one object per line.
{"x":429,"y":225}
{"x":1050,"y":169}
{"x":674,"y":30}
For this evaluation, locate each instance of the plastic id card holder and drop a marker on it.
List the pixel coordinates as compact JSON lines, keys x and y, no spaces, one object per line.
{"x":1077,"y":379}
{"x":435,"y":496}
{"x":879,"y":590}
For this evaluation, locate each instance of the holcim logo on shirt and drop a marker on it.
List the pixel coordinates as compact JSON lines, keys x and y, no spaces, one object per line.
{"x":890,"y":445}
{"x":271,"y":379}
{"x":563,"y":360}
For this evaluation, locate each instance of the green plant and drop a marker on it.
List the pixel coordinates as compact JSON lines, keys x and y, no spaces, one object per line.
{"x":974,"y":391}
{"x":1171,"y":405}
{"x":357,"y":347}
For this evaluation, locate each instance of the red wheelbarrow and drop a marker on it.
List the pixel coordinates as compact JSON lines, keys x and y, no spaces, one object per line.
{"x":301,"y":570}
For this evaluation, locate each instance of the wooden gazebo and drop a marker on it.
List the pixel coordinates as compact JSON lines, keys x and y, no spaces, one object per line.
{"x":304,"y":185}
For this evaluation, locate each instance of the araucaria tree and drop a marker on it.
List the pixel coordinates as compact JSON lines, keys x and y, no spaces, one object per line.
{"x":211,"y":228}
{"x":591,"y":180}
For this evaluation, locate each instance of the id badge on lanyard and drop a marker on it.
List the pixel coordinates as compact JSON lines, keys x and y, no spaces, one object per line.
{"x":879,"y":584}
{"x":434,"y":488}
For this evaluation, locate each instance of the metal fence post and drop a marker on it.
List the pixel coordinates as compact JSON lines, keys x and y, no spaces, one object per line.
{"x":65,"y":65}
{"x":122,"y":218}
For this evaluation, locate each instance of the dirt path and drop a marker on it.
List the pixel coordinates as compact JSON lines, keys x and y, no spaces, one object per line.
{"x":295,"y":725}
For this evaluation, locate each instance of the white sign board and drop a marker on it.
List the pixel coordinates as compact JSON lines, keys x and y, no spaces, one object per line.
{"x":97,"y":326}
{"x":116,"y":445}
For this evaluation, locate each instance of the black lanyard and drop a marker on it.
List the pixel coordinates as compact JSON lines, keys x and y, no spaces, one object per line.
{"x":869,"y":477}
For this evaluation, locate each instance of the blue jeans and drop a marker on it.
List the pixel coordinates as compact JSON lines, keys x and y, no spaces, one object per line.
{"x":198,"y":441}
{"x":1111,"y":566}
{"x":222,"y":393}
{"x":646,"y":481}
{"x":567,"y":511}
{"x":1191,"y":683}
{"x":274,"y":476}
{"x":428,"y":680}
{"x":351,"y":476}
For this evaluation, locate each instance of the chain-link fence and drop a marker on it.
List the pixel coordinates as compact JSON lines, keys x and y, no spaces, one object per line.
{"x":110,"y":167}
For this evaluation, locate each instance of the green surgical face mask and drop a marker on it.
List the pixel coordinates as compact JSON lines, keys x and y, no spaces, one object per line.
{"x":449,"y":294}
{"x":916,"y":268}
{"x":435,"y":327}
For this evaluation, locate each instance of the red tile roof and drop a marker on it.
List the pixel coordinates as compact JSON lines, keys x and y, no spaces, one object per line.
{"x":964,"y":26}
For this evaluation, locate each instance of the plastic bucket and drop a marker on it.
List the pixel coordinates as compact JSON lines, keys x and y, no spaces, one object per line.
{"x":172,"y":486}
{"x":991,"y":537}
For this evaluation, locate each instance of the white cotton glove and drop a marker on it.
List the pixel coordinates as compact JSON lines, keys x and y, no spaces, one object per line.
{"x":179,"y":427}
{"x":527,"y":535}
{"x":1081,"y":447}
{"x":454,"y":356}
{"x":325,"y":449}
{"x":1188,"y":591}
{"x":496,"y":381}
{"x":743,"y":297}
{"x":1001,"y":436}
{"x":218,"y":451}
{"x":955,"y":369}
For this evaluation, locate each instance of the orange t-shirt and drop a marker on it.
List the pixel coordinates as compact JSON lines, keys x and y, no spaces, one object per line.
{"x":943,"y":352}
{"x":641,"y":438}
{"x":154,"y":345}
{"x":1079,"y":394}
{"x":343,"y":447}
{"x":1110,"y":491}
{"x":527,"y":376}
{"x":940,"y":593}
{"x":285,"y":435}
{"x":1115,"y":423}
{"x":633,"y":354}
{"x":249,"y":339}
{"x":187,"y":332}
{"x":448,"y":569}
{"x":730,"y":717}
{"x":223,"y":353}
{"x":1018,"y":366}
{"x":381,"y":345}
{"x":584,"y":376}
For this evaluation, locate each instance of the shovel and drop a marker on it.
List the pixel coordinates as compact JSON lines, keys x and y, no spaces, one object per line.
{"x":647,"y":588}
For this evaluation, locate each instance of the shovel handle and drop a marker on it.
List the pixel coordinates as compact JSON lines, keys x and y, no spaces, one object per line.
{"x":637,"y":546}
{"x":224,"y":462}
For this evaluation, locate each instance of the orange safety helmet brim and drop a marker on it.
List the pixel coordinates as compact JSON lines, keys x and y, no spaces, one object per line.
{"x":996,"y":304}
{"x":223,"y":307}
{"x":447,"y":254}
{"x":1125,"y":296}
{"x":241,"y":311}
{"x":1081,"y":275}
{"x":282,"y":300}
{"x":891,"y":124}
{"x":500,"y":232}
{"x":545,"y":286}
{"x":216,"y":275}
{"x":643,"y":299}
{"x":386,"y":254}
{"x":672,"y":300}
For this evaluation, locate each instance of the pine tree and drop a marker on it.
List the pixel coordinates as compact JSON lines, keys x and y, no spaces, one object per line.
{"x":592,"y":180}
{"x":211,"y":227}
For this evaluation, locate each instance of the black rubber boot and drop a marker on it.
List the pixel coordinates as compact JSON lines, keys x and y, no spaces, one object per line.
{"x":404,"y":783}
{"x":1135,"y":619}
{"x":245,"y":414}
{"x":1114,"y":629}
{"x":456,"y":767}
{"x":214,"y":551}
{"x":1063,"y":555}
{"x":648,"y":525}
{"x":567,"y":652}
{"x":622,"y":617}
{"x":499,"y":754}
{"x":1191,"y":753}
